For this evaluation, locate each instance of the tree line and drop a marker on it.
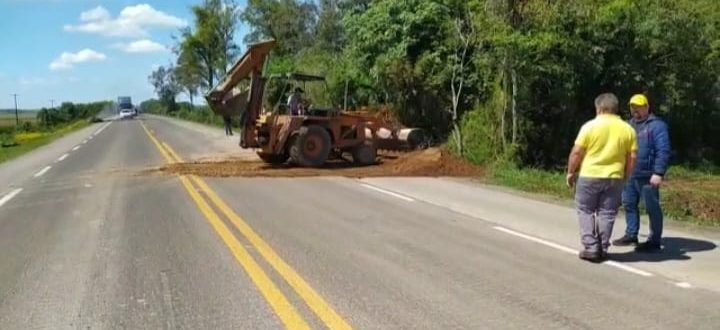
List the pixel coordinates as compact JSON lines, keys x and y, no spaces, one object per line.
{"x":500,"y":80}
{"x":69,"y":112}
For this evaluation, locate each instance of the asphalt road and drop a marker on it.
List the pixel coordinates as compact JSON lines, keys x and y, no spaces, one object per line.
{"x":92,"y":238}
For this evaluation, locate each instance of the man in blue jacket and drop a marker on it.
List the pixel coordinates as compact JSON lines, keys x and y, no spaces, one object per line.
{"x":653,"y":157}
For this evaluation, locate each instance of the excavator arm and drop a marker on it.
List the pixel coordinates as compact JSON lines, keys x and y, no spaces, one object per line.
{"x":225,"y":100}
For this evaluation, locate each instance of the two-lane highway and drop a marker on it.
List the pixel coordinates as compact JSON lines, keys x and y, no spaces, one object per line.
{"x":98,"y":241}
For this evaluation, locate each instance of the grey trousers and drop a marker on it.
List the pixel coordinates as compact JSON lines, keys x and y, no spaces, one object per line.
{"x":597,"y":202}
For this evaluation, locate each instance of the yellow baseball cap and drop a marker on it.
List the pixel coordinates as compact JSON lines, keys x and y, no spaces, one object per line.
{"x":639,"y":100}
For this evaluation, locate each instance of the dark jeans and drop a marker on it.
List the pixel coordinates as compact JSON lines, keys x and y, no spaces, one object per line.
{"x":597,"y":202}
{"x":634,"y":190}
{"x":228,"y":126}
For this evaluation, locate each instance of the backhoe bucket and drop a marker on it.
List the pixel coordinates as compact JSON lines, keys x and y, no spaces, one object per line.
{"x":234,"y":104}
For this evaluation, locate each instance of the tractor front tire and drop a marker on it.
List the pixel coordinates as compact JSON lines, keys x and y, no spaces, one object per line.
{"x":311,"y":146}
{"x":273,"y":159}
{"x":364,"y":154}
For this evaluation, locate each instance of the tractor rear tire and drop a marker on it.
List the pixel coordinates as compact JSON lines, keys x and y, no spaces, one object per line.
{"x":311,"y":146}
{"x":364,"y":154}
{"x":274,"y":159}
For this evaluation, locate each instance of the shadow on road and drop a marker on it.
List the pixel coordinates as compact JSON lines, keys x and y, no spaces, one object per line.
{"x":674,"y":248}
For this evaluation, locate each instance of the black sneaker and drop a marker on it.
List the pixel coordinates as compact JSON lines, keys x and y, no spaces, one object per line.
{"x":625,"y":241}
{"x":590,"y":256}
{"x":648,"y":247}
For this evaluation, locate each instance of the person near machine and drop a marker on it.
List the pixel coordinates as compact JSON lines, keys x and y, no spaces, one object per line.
{"x":647,"y":177}
{"x":295,"y":104}
{"x":604,"y":153}
{"x":228,"y":125}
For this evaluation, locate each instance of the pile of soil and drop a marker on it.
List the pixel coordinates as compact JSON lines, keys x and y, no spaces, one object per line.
{"x":432,"y":162}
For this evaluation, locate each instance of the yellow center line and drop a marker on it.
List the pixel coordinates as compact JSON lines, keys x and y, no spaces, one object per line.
{"x":315,"y":301}
{"x":277,"y":300}
{"x":157,"y":144}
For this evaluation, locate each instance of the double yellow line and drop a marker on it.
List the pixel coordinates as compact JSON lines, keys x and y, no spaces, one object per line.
{"x":287,"y":313}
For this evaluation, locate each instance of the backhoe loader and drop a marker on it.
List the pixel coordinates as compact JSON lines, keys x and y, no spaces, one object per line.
{"x":308,"y":139}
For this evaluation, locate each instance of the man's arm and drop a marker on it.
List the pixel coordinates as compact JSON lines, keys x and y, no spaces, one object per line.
{"x":630,"y":160}
{"x":574,"y":160}
{"x":661,"y":144}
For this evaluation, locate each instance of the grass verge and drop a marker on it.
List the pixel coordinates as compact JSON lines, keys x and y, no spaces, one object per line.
{"x":687,"y":195}
{"x":31,"y":141}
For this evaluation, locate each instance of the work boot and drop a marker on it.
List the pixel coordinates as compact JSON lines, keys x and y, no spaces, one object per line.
{"x":626,"y":241}
{"x":590,"y":256}
{"x":648,"y":247}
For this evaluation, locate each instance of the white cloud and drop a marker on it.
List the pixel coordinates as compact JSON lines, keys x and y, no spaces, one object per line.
{"x":133,"y":21}
{"x":99,"y":13}
{"x":140,"y":46}
{"x":33,"y":81}
{"x":68,"y":60}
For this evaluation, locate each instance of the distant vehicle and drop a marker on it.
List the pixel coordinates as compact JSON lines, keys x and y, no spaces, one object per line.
{"x":127,"y":114}
{"x":125,"y":103}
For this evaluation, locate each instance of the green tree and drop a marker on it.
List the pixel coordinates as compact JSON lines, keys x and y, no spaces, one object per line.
{"x":189,"y":73}
{"x":290,"y":22}
{"x":329,"y":29}
{"x":409,"y":50}
{"x":166,"y":87}
{"x":209,"y":43}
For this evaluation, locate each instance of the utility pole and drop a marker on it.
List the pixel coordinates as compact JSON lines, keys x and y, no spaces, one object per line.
{"x":17,"y":119}
{"x":52,"y":104}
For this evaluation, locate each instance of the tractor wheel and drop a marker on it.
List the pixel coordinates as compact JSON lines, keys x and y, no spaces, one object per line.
{"x":274,"y":159}
{"x":364,"y":154}
{"x":311,"y":146}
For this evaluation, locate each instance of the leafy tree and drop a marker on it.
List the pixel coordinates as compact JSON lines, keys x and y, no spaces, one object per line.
{"x":166,"y":87}
{"x":410,"y":49}
{"x":189,"y":74}
{"x":290,"y":22}
{"x":209,"y":44}
{"x":329,"y":30}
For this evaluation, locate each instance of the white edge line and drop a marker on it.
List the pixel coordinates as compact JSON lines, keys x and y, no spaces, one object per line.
{"x":536,"y":240}
{"x":63,"y":157}
{"x":101,"y":129}
{"x":628,"y":268}
{"x":396,"y":195}
{"x":571,"y":251}
{"x":43,"y":171}
{"x":76,"y":148}
{"x":9,"y":196}
{"x":684,"y":285}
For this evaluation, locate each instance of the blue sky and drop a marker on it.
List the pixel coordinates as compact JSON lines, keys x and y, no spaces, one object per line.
{"x":85,"y":50}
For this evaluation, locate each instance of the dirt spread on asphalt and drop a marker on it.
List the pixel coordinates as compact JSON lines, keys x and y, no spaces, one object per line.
{"x":432,"y":162}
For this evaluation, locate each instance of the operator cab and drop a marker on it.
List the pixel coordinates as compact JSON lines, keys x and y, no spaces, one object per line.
{"x":313,"y":89}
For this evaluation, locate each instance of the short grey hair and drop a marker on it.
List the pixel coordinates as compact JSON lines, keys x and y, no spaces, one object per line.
{"x":608,"y":102}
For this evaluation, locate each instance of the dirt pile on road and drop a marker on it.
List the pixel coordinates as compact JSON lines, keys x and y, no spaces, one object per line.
{"x":430,"y":162}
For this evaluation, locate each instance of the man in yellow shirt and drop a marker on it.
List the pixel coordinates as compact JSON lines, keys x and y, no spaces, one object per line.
{"x":604,"y":152}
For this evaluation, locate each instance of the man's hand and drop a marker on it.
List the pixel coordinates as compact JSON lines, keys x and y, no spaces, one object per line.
{"x":570,"y":179}
{"x":656,"y":181}
{"x":574,"y":161}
